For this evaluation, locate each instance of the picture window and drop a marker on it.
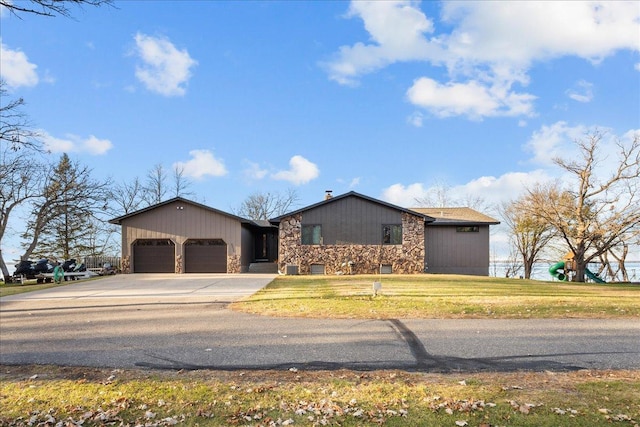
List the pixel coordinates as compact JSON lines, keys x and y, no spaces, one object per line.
{"x":392,"y":234}
{"x":312,"y":234}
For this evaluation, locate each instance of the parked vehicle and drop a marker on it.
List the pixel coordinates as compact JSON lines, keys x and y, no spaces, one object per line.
{"x":69,"y":265}
{"x":25,"y":269}
{"x":30,"y":270}
{"x":107,"y":269}
{"x":43,"y":266}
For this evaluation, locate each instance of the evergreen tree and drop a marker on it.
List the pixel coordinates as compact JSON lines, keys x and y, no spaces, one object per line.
{"x":63,"y":220}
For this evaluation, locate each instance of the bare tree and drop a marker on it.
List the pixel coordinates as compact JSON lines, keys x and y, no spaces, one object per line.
{"x":16,"y":131}
{"x":513,"y":265}
{"x":181,"y":183}
{"x":264,"y":206}
{"x":155,"y":188}
{"x":48,"y":7}
{"x":438,"y":196}
{"x":528,"y":233}
{"x":593,"y":214}
{"x":126,"y":197}
{"x":19,"y":182}
{"x":614,"y":260}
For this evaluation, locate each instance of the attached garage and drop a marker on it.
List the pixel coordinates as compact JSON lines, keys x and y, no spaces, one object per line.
{"x":182,"y":236}
{"x":154,"y":256}
{"x":205,"y":256}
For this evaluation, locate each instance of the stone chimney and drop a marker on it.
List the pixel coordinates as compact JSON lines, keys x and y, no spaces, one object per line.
{"x":328,"y":194}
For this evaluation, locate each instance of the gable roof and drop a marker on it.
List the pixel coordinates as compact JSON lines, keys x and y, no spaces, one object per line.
{"x":353,"y":194}
{"x":457,"y":216}
{"x":118,"y":220}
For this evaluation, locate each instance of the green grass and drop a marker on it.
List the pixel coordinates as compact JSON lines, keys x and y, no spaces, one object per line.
{"x":345,"y":398}
{"x":7,"y":289}
{"x":29,"y":286}
{"x":440,"y":296}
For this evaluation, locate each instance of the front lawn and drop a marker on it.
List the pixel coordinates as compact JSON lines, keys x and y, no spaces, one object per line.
{"x":440,"y":296}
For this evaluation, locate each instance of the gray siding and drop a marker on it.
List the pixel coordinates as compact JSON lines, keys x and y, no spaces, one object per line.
{"x":170,"y":222}
{"x":247,"y":249}
{"x":451,"y":252}
{"x":352,"y":221}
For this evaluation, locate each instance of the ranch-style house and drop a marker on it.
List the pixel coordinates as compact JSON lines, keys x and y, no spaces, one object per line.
{"x":346,"y":234}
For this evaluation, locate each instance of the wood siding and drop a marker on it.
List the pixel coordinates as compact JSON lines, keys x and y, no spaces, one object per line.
{"x":352,"y":221}
{"x":179,"y":221}
{"x":450,"y":252}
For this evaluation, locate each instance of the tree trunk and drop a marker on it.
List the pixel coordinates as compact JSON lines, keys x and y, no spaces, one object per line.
{"x":5,"y":270}
{"x":528,"y":268}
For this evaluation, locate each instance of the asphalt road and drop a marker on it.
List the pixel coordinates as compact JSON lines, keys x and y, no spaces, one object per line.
{"x":180,"y":322}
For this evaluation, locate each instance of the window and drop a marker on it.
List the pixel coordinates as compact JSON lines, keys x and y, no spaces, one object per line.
{"x":468,"y":229}
{"x":312,"y":234}
{"x":392,"y":234}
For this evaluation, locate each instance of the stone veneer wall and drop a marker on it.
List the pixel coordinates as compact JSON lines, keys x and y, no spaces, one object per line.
{"x":407,"y":258}
{"x":233,"y":264}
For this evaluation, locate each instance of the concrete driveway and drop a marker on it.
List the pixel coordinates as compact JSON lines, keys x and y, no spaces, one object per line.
{"x":176,"y":287}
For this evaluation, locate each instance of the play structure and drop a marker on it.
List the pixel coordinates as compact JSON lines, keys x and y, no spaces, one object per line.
{"x":562,"y":269}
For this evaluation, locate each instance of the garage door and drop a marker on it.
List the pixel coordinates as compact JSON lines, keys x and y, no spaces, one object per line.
{"x":205,"y":256}
{"x":154,"y":256}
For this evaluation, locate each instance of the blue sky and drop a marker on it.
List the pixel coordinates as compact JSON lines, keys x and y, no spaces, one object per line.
{"x":389,"y":99}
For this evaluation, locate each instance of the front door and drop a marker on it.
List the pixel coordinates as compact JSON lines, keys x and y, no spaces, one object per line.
{"x":265,"y":245}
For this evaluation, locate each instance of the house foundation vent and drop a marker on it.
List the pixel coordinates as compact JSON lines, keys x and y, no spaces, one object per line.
{"x":291,"y":270}
{"x":317,"y":268}
{"x":386,"y":269}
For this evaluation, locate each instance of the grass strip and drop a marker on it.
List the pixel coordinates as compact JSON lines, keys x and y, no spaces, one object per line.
{"x":44,"y":395}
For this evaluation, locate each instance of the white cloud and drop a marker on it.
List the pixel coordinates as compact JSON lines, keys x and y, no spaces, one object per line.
{"x":581,"y":92}
{"x":489,"y":50}
{"x":165,"y":69}
{"x":301,"y":171}
{"x":553,"y":141}
{"x":416,"y":119}
{"x":75,"y":144}
{"x":56,"y":145}
{"x":253,"y":171}
{"x":96,"y":146}
{"x":510,"y":32}
{"x":16,"y":70}
{"x":397,"y":30}
{"x":472,"y":99}
{"x":402,"y":195}
{"x":203,"y":163}
{"x":489,"y":191}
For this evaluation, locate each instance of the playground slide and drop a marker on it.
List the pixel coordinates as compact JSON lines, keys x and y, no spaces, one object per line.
{"x":592,"y":276}
{"x":553,"y":270}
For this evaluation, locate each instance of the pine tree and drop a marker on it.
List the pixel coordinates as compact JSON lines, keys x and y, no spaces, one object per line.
{"x":63,"y":221}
